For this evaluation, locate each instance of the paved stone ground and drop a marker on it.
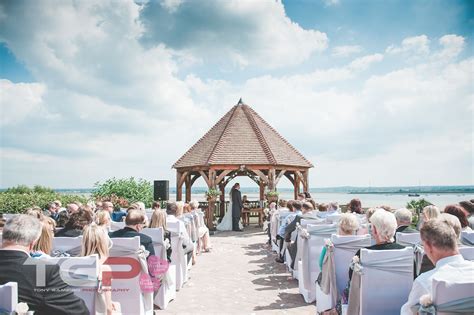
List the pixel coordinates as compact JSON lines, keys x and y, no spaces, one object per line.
{"x":240,"y":276}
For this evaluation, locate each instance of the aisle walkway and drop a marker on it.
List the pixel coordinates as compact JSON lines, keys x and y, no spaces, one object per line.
{"x":239,"y":276}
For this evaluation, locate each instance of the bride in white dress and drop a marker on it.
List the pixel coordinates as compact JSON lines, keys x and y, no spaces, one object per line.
{"x":226,"y":223}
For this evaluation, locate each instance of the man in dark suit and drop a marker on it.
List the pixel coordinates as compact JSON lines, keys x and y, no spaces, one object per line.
{"x":404,"y":218}
{"x":237,"y":206}
{"x":134,"y":223}
{"x":54,"y":297}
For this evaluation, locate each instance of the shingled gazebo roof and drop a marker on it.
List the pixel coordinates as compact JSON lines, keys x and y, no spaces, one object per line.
{"x":242,"y":137}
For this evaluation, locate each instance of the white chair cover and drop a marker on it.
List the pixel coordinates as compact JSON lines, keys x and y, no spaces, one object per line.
{"x":71,"y":245}
{"x":408,"y":238}
{"x":345,"y":247}
{"x":453,"y":296}
{"x":127,"y":291}
{"x":82,"y":275}
{"x":178,"y":257}
{"x":308,"y":268}
{"x":467,"y":252}
{"x":115,"y":226}
{"x":467,"y":238}
{"x":8,"y":297}
{"x":386,"y":278}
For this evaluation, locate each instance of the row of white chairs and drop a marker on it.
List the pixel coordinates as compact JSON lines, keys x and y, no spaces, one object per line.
{"x":306,"y":266}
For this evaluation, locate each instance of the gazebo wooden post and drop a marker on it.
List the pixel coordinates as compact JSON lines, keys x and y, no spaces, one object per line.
{"x":305,"y":181}
{"x":179,"y":186}
{"x":212,"y":203}
{"x":188,"y":187}
{"x":296,"y":184}
{"x":262,"y":193}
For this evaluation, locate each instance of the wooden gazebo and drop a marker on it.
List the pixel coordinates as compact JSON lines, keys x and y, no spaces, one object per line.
{"x":241,"y":143}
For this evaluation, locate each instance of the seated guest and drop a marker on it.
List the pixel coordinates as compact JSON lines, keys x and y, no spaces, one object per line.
{"x":301,"y":197}
{"x":348,"y":225}
{"x":117,"y":215}
{"x":429,"y":212}
{"x":171,"y":209}
{"x":366,"y":229}
{"x":158,"y":220}
{"x":52,"y":210}
{"x":134,"y":223}
{"x":156,"y":205}
{"x":96,"y":241}
{"x":459,"y":212}
{"x":19,"y":237}
{"x":355,"y":206}
{"x":440,"y":244}
{"x":306,"y":211}
{"x":295,"y":207}
{"x":333,"y":207}
{"x":323,"y":210}
{"x":203,"y":231}
{"x":72,"y":208}
{"x":63,"y":217}
{"x":98,"y":205}
{"x":383,"y":229}
{"x":452,"y":221}
{"x":468,"y":207}
{"x":102,"y":218}
{"x":404,"y":218}
{"x":75,"y":225}
{"x":44,"y":245}
{"x":37,"y":213}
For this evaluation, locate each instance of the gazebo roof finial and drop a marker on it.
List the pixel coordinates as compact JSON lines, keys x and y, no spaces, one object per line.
{"x":240,"y":102}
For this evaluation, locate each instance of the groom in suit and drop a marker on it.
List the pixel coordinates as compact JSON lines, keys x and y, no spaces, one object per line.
{"x":237,"y":206}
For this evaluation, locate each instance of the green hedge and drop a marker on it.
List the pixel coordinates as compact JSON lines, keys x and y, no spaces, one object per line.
{"x":12,"y":202}
{"x":123,"y":192}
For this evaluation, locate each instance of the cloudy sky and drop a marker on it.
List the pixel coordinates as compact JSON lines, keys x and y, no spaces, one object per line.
{"x":374,"y":93}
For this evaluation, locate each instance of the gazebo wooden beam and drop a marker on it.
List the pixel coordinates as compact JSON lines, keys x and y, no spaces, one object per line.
{"x":280,"y":175}
{"x":206,"y":178}
{"x":260,"y":174}
{"x":193,"y":179}
{"x":291,"y":179}
{"x":222,"y":175}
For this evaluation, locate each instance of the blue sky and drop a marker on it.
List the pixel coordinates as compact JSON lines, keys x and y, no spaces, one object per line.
{"x":375,"y":92}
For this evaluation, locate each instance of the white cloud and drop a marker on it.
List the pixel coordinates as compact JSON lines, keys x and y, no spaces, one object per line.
{"x":419,"y":45}
{"x":248,"y":33}
{"x":452,"y":47}
{"x":346,"y":50}
{"x":329,"y":3}
{"x":363,"y":63}
{"x":21,"y":101}
{"x":106,"y":105}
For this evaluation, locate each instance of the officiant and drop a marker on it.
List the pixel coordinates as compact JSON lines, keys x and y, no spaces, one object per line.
{"x":237,"y":206}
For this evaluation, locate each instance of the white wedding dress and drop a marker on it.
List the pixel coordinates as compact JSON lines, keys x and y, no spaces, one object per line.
{"x":226,"y":223}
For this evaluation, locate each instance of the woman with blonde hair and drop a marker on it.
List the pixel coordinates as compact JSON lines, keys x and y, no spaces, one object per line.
{"x":96,"y":241}
{"x":348,"y":225}
{"x":430,"y":212}
{"x":103,"y":219}
{"x":44,"y":245}
{"x":158,"y":220}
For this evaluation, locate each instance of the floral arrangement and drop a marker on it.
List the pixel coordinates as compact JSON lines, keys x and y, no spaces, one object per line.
{"x":272,"y":193}
{"x":212,"y":193}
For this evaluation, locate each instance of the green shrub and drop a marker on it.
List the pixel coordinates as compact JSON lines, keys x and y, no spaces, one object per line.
{"x":417,"y":207}
{"x":13,"y":202}
{"x":124,"y":191}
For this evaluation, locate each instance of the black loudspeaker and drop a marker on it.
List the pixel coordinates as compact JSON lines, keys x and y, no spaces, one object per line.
{"x":161,"y":190}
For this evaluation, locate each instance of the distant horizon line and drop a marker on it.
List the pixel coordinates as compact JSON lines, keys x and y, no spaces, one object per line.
{"x":290,"y":188}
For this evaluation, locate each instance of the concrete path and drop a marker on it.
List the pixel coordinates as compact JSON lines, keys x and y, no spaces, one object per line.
{"x":240,"y":276}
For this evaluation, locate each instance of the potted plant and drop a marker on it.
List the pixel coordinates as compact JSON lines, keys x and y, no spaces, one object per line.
{"x":212,"y":194}
{"x":272,"y":196}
